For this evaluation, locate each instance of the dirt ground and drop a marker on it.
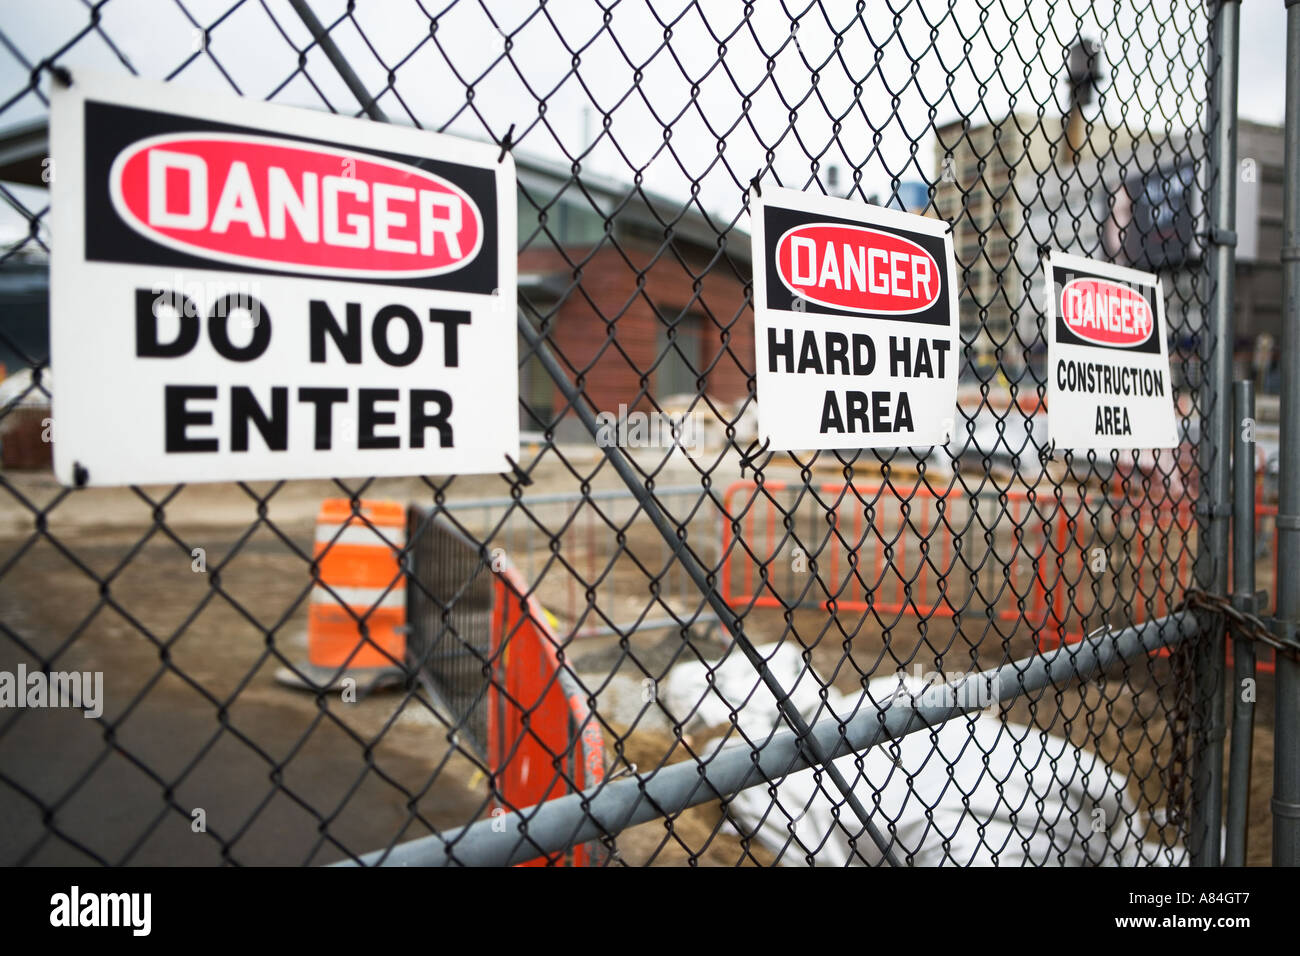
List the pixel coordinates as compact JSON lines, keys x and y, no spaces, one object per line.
{"x":194,"y":719}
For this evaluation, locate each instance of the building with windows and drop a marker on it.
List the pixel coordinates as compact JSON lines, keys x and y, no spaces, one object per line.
{"x":1012,"y":188}
{"x":1257,"y":291}
{"x":978,"y":170}
{"x":658,"y":268}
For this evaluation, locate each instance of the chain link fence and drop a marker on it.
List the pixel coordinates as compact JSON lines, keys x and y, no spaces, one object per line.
{"x":660,"y":649}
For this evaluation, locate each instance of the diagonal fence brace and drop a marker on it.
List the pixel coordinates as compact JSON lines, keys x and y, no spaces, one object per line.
{"x":814,"y":751}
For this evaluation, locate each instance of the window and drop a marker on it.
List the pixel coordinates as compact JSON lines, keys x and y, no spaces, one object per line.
{"x":684,"y":363}
{"x":536,"y":392}
{"x":570,"y":220}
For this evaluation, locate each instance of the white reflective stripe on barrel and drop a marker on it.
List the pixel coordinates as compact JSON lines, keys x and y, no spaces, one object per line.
{"x":358,"y":533}
{"x":364,"y":598}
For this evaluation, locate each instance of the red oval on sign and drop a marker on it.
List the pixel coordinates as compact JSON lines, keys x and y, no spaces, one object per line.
{"x":273,"y":203}
{"x":1105,"y":312}
{"x":857,"y":269}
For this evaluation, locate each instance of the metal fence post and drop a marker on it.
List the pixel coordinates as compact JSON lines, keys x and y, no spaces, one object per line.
{"x":1286,"y":730}
{"x":1215,"y":440}
{"x":1243,"y":598}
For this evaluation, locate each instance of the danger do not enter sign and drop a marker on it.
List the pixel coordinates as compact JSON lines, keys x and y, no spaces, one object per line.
{"x":247,"y":291}
{"x":856,"y":330}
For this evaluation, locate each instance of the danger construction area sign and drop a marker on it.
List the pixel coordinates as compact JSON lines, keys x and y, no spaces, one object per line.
{"x":248,"y":291}
{"x":1109,"y":382}
{"x":856,"y":329}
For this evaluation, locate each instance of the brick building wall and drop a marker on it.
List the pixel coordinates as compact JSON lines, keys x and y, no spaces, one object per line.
{"x":647,"y":291}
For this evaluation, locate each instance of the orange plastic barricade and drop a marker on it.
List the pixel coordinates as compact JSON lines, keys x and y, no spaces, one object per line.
{"x":901,"y":554}
{"x":543,"y":740}
{"x":865,"y":571}
{"x":483,"y":646}
{"x":356,"y":622}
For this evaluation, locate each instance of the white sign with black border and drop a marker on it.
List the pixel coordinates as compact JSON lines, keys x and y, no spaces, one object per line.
{"x":248,"y":291}
{"x":855,"y":324}
{"x":1109,"y":384}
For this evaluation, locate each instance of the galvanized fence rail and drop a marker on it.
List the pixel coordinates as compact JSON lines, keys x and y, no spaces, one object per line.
{"x":625,"y":653}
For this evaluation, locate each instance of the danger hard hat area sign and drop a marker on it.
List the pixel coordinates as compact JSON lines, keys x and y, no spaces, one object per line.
{"x":856,"y":330}
{"x":1108,"y":362}
{"x":245,"y":291}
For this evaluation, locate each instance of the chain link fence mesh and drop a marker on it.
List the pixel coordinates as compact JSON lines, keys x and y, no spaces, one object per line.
{"x":862,"y":579}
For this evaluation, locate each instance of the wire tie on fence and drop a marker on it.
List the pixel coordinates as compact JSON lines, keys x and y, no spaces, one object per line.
{"x":61,"y":74}
{"x":507,"y":141}
{"x":1288,"y":522}
{"x":79,"y":474}
{"x":627,"y":771}
{"x":1047,"y":453}
{"x":889,"y":746}
{"x":520,"y":475}
{"x":748,"y":455}
{"x":754,"y":185}
{"x":1099,"y":632}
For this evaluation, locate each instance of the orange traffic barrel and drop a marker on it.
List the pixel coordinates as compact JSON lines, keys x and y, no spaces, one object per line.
{"x":359,"y":582}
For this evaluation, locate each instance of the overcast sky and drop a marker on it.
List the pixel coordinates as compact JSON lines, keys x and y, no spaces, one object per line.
{"x":885,"y":138}
{"x":1263,"y":61}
